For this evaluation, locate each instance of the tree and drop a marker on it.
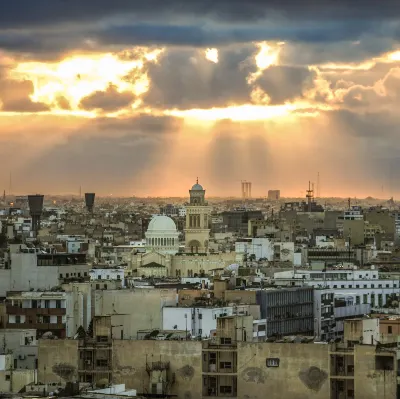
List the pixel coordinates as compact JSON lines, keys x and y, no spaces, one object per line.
{"x":81,"y":332}
{"x":89,"y":332}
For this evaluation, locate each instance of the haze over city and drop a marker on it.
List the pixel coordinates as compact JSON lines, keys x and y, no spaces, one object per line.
{"x":139,"y":99}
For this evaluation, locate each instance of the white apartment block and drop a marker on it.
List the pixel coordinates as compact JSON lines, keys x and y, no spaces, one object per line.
{"x":107,"y":274}
{"x":365,"y":285}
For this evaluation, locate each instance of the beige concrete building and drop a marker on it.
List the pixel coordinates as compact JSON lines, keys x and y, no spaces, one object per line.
{"x":198,"y":220}
{"x":133,"y":309}
{"x":224,"y":366}
{"x":181,"y":265}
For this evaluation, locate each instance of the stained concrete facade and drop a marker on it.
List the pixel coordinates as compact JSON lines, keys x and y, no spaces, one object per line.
{"x":254,"y":370}
{"x":303,"y":371}
{"x":58,"y":360}
{"x":133,"y":362}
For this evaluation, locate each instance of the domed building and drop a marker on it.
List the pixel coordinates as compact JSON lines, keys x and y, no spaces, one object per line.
{"x":162,"y":235}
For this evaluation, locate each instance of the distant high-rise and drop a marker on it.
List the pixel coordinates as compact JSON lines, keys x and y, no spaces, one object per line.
{"x":89,"y":201}
{"x":274,"y":195}
{"x":35,"y":210}
{"x":246,"y":189}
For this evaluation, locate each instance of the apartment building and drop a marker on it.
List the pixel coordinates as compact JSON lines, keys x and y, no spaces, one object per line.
{"x":227,"y":366}
{"x":32,"y":268}
{"x":287,"y":311}
{"x":60,"y":313}
{"x":366,"y":285}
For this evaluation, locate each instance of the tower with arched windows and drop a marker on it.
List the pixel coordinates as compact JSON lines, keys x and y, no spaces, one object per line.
{"x":198,"y":219}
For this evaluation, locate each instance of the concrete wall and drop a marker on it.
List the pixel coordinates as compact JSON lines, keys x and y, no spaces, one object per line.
{"x":58,"y":360}
{"x":129,"y":359}
{"x":303,"y":371}
{"x":370,"y":383}
{"x":141,"y":307}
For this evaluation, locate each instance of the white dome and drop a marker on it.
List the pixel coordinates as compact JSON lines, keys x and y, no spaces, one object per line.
{"x":197,"y":187}
{"x":161,"y":223}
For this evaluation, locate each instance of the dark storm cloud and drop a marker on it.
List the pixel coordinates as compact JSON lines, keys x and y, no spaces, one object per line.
{"x":186,"y":79}
{"x":110,"y":100}
{"x":285,"y":83}
{"x":25,"y":13}
{"x":46,"y":27}
{"x":201,"y":36}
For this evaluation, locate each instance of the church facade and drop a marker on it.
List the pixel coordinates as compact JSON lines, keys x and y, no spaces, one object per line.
{"x":162,"y":259}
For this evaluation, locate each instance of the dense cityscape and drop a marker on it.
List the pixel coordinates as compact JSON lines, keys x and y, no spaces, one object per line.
{"x":199,"y":199}
{"x":197,"y":298}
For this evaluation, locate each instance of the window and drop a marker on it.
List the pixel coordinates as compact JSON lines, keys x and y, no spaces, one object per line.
{"x":18,"y":319}
{"x":389,"y":329}
{"x":58,"y":304}
{"x":97,"y":286}
{"x":108,"y":276}
{"x":387,"y":285}
{"x":225,"y":365}
{"x":34,"y":304}
{"x":225,"y":389}
{"x":200,"y":316}
{"x":102,"y":338}
{"x":85,"y":274}
{"x":272,"y":362}
{"x":357,"y":285}
{"x":342,"y":286}
{"x":8,"y":377}
{"x":226,"y":341}
{"x":46,"y":319}
{"x":101,"y":362}
{"x":118,"y":277}
{"x":372,"y":285}
{"x":350,"y":286}
{"x":79,"y":274}
{"x":61,"y":276}
{"x":105,"y":286}
{"x":67,"y":275}
{"x":335,"y":286}
{"x":380,"y":286}
{"x":365,"y":286}
{"x":99,"y":277}
{"x":200,"y":331}
{"x":47,"y":304}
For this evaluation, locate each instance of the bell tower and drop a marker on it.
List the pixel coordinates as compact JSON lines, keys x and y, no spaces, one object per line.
{"x":197,"y":231}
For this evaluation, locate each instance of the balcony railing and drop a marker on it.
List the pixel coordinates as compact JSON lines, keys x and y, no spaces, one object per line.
{"x":16,"y":310}
{"x":37,"y":326}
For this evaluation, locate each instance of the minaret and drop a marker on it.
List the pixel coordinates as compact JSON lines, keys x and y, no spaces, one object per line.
{"x":197,"y":231}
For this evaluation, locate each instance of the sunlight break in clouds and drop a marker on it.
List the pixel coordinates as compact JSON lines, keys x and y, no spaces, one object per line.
{"x":79,"y":76}
{"x":212,"y":55}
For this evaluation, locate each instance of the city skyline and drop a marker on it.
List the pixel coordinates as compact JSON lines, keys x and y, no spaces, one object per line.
{"x":117,"y":100}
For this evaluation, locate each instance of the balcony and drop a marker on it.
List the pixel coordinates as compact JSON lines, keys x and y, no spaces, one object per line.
{"x":16,"y":310}
{"x":37,"y":326}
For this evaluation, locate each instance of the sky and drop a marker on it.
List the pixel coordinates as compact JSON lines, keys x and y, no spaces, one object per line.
{"x":141,"y":98}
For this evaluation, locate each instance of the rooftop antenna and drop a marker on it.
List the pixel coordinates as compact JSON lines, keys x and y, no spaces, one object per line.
{"x":318,"y":187}
{"x":10,"y":185}
{"x":349,"y":202}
